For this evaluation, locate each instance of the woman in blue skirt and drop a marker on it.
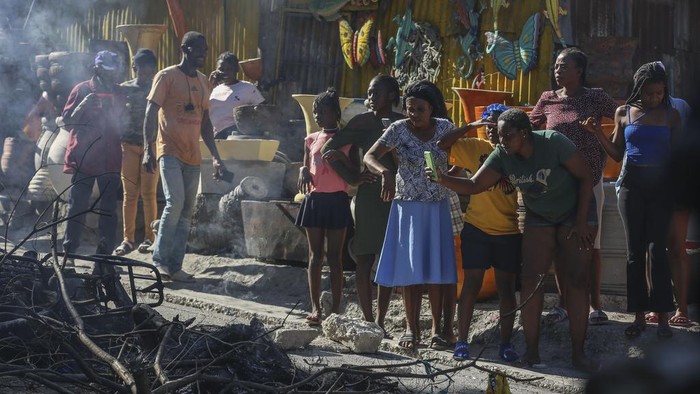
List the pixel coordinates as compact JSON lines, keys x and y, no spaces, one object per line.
{"x":418,"y":247}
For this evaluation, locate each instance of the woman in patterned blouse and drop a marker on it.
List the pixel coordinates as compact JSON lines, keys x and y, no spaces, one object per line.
{"x":563,"y":110}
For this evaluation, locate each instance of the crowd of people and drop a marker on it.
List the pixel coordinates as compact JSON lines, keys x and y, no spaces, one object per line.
{"x":554,"y":158}
{"x":144,"y":130}
{"x":407,"y":215}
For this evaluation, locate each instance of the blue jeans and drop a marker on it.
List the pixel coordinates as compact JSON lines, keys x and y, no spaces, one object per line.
{"x":79,"y":203}
{"x":180,"y":183}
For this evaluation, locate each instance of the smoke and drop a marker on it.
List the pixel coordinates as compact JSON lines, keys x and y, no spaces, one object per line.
{"x":29,"y":28}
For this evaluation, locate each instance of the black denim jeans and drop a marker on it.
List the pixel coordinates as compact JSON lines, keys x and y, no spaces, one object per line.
{"x":646,"y":213}
{"x":79,"y":202}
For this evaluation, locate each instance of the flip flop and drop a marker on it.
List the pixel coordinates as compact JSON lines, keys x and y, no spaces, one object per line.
{"x":124,"y":248}
{"x":407,"y":341}
{"x":651,"y":318}
{"x":680,"y":321}
{"x":461,"y":352}
{"x":507,"y":353}
{"x":313,"y":320}
{"x":438,"y":343}
{"x":556,"y":315}
{"x":145,"y":246}
{"x":597,"y":318}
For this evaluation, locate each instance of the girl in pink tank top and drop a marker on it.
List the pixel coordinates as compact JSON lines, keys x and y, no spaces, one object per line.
{"x":325,"y":210}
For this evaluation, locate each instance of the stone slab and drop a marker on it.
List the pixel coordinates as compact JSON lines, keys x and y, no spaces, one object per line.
{"x":271,"y":173}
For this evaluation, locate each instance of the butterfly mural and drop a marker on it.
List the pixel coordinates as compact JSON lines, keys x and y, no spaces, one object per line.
{"x":355,"y":45}
{"x":519,"y":54}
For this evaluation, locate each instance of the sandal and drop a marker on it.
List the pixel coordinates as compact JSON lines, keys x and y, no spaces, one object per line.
{"x":461,"y":352}
{"x":507,"y":353}
{"x":652,"y":318}
{"x":556,"y":315}
{"x":407,"y":341}
{"x":597,"y":317}
{"x":313,"y":320}
{"x":680,"y":321}
{"x":438,"y":343}
{"x":635,"y":330}
{"x":145,"y":246}
{"x":125,"y":248}
{"x":664,"y":332}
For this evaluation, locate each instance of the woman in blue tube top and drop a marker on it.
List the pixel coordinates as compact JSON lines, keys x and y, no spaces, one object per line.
{"x":645,"y":127}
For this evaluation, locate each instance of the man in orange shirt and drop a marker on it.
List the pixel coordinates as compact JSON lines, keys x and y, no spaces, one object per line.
{"x":178,"y":114}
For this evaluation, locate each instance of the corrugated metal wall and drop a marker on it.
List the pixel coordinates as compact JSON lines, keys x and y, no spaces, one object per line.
{"x":659,"y":25}
{"x":228,"y":25}
{"x":663,"y":29}
{"x":310,"y":53}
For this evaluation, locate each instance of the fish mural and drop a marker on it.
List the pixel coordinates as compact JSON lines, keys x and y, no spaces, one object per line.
{"x":553,"y":13}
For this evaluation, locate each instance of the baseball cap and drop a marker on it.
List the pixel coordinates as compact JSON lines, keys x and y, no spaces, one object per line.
{"x":144,"y":56}
{"x":107,"y":60}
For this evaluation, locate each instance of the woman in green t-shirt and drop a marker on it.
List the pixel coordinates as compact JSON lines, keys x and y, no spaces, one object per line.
{"x":560,"y":220}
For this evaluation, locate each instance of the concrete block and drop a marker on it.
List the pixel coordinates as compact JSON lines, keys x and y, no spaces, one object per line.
{"x":270,"y":232}
{"x":294,"y":338}
{"x":270,"y":172}
{"x":358,"y":335}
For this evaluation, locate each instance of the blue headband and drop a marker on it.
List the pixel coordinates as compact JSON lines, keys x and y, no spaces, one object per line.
{"x":493,"y":108}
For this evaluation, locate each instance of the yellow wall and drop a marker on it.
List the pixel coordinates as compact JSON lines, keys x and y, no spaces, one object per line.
{"x":440,"y":13}
{"x":240,"y":35}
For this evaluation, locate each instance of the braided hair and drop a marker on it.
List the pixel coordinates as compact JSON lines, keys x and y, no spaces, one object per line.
{"x":328,"y":98}
{"x":650,"y":72}
{"x":579,"y":58}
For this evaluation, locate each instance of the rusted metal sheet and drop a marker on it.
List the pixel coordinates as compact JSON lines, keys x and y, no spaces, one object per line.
{"x":310,"y":52}
{"x":610,"y":64}
{"x":228,"y":25}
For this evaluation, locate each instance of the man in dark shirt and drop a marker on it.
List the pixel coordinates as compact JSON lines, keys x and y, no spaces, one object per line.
{"x":137,"y":182}
{"x":93,"y":115}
